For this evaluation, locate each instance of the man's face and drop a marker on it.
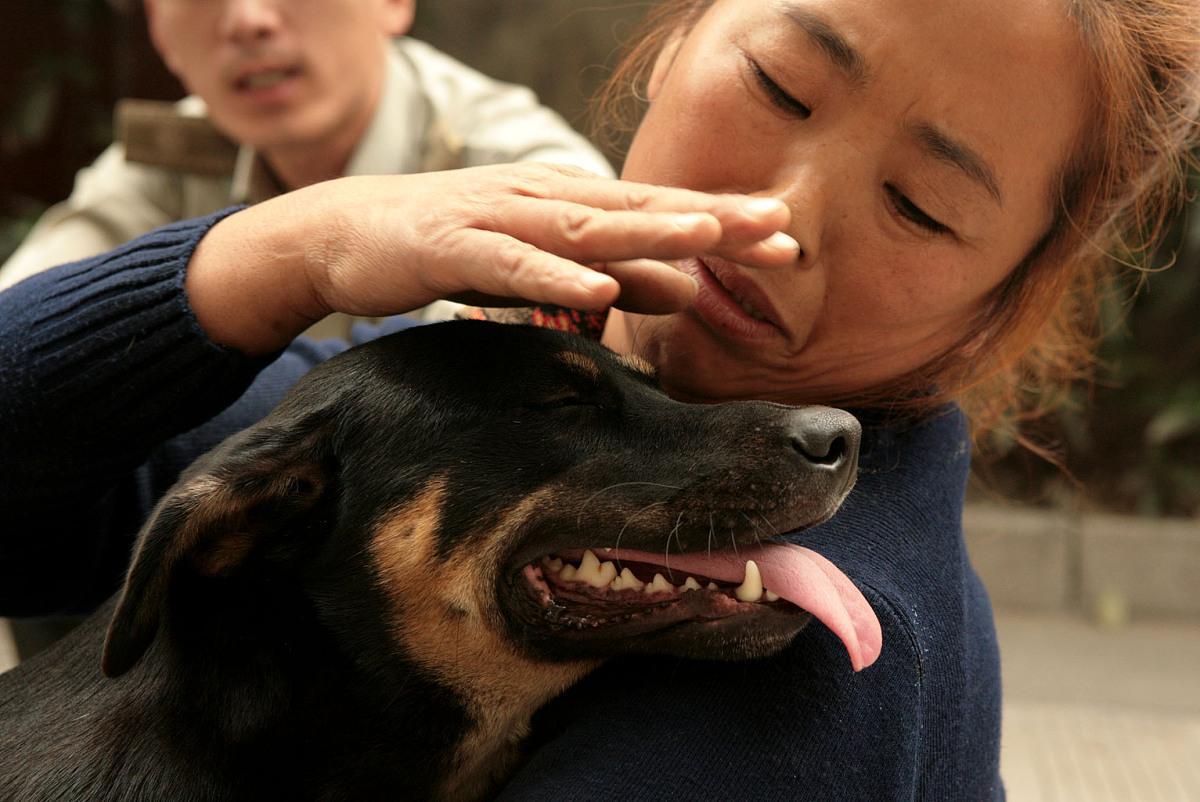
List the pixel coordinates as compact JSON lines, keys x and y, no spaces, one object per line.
{"x":280,"y":73}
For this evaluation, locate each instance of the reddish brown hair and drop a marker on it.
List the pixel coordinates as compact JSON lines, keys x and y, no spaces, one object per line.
{"x":1035,"y":334}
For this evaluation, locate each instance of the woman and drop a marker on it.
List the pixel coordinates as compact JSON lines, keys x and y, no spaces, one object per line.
{"x":931,"y":182}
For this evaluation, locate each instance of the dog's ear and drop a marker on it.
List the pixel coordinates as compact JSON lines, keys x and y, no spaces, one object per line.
{"x":256,"y":484}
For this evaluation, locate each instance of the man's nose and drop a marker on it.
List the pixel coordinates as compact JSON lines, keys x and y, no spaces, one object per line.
{"x":248,"y":21}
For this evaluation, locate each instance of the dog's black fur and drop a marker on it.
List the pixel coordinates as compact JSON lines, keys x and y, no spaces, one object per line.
{"x":333,"y":603}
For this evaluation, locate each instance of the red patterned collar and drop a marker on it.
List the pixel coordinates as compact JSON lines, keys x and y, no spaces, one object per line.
{"x":585,"y":324}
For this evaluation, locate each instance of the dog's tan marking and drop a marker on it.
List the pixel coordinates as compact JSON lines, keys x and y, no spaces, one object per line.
{"x":584,"y":364}
{"x":222,"y":554}
{"x":638,"y":365}
{"x":448,"y":621}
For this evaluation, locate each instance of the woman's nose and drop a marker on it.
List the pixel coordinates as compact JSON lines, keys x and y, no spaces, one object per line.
{"x":805,"y":191}
{"x":248,"y":21}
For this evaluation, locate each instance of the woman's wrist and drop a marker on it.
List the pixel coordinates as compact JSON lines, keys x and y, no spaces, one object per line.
{"x":249,"y":279}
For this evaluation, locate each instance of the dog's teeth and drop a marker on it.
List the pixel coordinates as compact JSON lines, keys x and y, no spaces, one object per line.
{"x":591,"y":572}
{"x":608,"y":572}
{"x":567,"y":573}
{"x":771,"y":597}
{"x":554,"y":564}
{"x":629,"y":581}
{"x":659,"y":585}
{"x":713,"y":586}
{"x":691,"y":584}
{"x":751,"y":589}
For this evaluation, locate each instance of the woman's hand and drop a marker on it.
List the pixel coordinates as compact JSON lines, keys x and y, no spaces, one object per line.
{"x":525,"y":233}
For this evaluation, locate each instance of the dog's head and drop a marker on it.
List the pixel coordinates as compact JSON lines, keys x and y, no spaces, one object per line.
{"x":504,"y":496}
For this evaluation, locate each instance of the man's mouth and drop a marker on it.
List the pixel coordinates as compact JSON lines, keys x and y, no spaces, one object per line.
{"x":640,"y":592}
{"x":265,"y":78}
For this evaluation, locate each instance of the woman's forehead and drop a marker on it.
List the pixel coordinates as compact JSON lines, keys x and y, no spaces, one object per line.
{"x":994,"y":91}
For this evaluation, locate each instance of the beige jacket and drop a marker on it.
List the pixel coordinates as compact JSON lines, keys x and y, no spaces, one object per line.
{"x":168,"y":165}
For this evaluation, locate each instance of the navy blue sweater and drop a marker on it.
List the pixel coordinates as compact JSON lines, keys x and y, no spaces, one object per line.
{"x":108,"y":388}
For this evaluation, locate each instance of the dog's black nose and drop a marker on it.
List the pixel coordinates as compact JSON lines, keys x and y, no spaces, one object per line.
{"x":827,"y":438}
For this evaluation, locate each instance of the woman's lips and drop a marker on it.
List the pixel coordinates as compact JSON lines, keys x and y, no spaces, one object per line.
{"x":730,"y":303}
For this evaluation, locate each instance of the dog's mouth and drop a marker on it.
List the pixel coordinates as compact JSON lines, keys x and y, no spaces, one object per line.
{"x":719,"y":605}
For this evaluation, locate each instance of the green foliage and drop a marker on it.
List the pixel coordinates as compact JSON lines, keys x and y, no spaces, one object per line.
{"x":57,"y":107}
{"x":1131,"y":443}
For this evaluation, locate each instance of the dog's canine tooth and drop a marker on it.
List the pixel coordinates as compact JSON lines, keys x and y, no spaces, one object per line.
{"x":659,"y":585}
{"x":751,"y":589}
{"x":691,"y":584}
{"x":771,"y":597}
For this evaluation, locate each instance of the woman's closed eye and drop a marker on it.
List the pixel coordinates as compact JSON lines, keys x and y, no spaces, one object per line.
{"x":778,"y":97}
{"x":913,"y":213}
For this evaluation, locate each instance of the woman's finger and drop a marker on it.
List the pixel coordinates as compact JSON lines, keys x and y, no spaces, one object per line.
{"x":651,"y":287}
{"x":777,"y":250}
{"x":743,"y":218}
{"x":589,"y":234}
{"x":504,"y":267}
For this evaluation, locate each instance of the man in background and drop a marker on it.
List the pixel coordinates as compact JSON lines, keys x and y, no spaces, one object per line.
{"x":284,"y":93}
{"x":287,"y":93}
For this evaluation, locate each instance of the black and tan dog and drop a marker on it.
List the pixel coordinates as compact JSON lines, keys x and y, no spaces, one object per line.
{"x":370,"y":592}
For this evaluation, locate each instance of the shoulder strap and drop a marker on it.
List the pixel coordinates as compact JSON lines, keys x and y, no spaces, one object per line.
{"x":156,"y":133}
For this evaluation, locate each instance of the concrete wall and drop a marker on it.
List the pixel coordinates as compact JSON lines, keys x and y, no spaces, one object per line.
{"x":1111,"y":567}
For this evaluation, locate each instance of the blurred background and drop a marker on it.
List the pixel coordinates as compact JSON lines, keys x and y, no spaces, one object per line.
{"x":1094,"y":566}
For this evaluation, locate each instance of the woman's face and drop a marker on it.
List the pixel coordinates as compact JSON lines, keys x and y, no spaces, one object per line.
{"x":917,"y":143}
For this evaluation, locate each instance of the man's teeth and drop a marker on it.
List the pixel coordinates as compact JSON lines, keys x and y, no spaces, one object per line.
{"x":590,"y":571}
{"x":265,"y":79}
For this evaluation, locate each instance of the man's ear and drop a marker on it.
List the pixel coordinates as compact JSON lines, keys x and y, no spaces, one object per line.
{"x":397,"y":16}
{"x":257,"y":484}
{"x":662,"y":65}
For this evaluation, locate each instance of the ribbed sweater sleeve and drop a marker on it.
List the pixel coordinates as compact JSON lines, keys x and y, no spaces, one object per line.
{"x":100,"y":361}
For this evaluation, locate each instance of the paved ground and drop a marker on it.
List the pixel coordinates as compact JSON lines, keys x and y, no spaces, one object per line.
{"x":1091,"y":714}
{"x":1099,"y":715}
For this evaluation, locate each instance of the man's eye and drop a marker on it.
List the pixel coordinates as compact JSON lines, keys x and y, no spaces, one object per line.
{"x":914,"y":213}
{"x":778,"y":97}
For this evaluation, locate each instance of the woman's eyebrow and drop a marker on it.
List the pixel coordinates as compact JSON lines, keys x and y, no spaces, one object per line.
{"x":944,"y":148}
{"x":934,"y":141}
{"x":827,"y":38}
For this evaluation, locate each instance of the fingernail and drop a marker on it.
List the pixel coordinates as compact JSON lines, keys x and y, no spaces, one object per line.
{"x":690,"y":220}
{"x":763,"y":207}
{"x":781,"y":242}
{"x":593,"y":282}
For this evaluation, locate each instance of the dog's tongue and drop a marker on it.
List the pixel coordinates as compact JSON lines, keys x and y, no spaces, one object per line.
{"x":797,"y":574}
